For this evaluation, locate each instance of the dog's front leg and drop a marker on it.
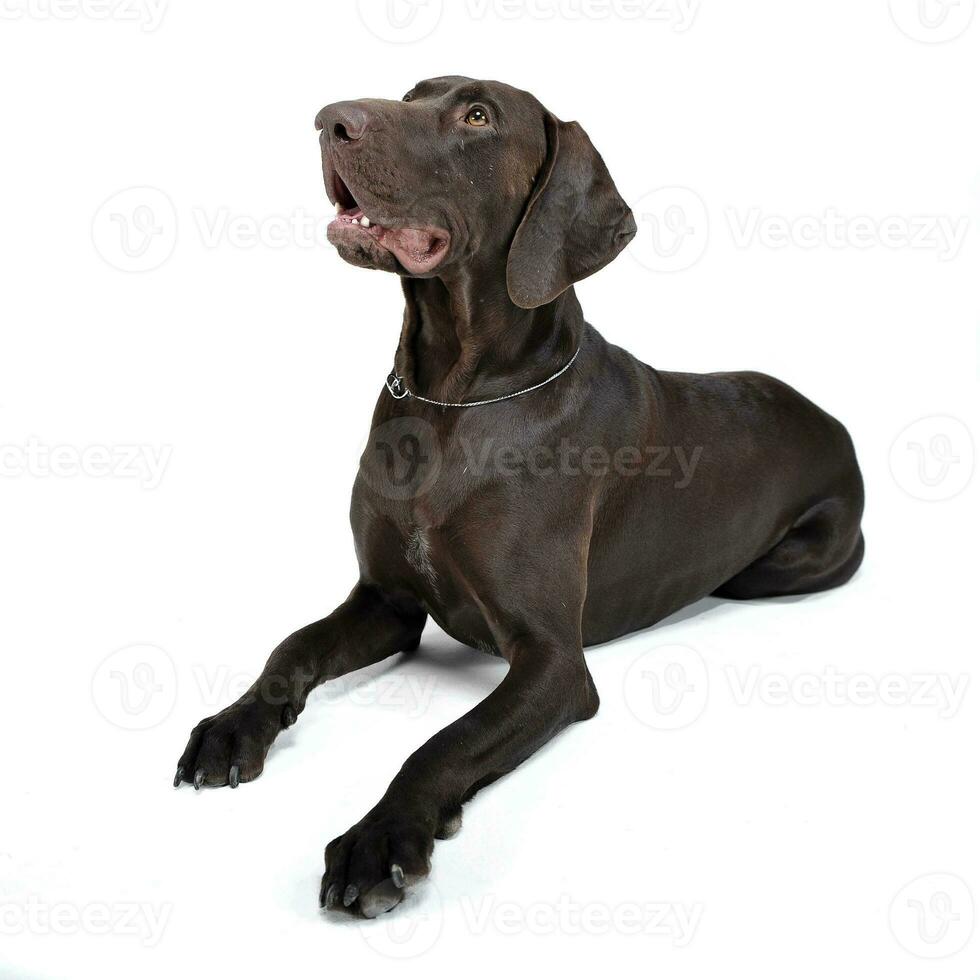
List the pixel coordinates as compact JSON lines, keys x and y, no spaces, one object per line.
{"x":231,"y":746}
{"x":547,"y":687}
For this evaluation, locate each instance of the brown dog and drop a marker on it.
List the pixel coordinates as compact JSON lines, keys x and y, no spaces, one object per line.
{"x":536,"y":525}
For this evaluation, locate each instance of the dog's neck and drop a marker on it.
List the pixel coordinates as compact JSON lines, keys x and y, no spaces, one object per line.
{"x":464,"y":340}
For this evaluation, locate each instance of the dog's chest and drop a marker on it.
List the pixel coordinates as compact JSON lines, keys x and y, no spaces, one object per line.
{"x":397,"y":530}
{"x":410,"y":544}
{"x":447,"y":601}
{"x":418,"y":509}
{"x":418,"y":554}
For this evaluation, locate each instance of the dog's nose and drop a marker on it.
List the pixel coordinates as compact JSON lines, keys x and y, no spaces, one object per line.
{"x":344,"y":122}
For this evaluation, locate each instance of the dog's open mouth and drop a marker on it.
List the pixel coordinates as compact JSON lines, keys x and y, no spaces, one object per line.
{"x":417,"y":249}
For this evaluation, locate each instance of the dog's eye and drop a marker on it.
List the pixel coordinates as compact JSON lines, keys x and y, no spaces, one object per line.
{"x":407,"y":97}
{"x":477,"y":116}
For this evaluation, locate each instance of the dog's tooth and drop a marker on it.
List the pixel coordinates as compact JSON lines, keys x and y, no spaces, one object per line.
{"x":339,"y":207}
{"x":365,"y":223}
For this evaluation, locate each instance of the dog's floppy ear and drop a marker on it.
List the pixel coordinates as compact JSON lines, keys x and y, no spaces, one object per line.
{"x":575,"y":221}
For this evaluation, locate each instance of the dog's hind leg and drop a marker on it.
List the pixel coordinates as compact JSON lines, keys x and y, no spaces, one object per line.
{"x":231,"y":746}
{"x":822,"y":550}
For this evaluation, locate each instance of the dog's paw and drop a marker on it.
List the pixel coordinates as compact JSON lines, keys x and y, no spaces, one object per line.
{"x":230,"y":747}
{"x":369,"y":868}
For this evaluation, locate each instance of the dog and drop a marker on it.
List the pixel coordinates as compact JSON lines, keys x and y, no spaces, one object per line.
{"x":489,"y":209}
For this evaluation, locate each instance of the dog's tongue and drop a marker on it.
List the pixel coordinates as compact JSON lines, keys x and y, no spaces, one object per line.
{"x":417,"y":249}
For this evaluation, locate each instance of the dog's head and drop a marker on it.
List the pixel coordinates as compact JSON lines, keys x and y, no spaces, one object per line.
{"x":462,"y":172}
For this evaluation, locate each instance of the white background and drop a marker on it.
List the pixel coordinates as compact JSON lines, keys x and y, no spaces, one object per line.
{"x":805,"y":834}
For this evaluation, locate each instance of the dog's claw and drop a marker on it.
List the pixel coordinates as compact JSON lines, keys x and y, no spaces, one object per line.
{"x":398,"y":876}
{"x":380,"y":899}
{"x":328,"y":896}
{"x":179,"y":778}
{"x":288,"y":716}
{"x":199,"y":779}
{"x":233,"y":777}
{"x":350,"y":896}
